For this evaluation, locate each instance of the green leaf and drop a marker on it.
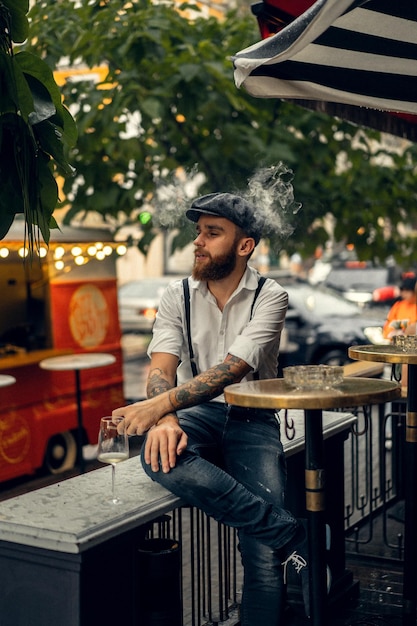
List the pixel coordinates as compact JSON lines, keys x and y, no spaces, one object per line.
{"x":21,"y":5}
{"x":48,"y":198}
{"x":43,"y":107}
{"x":16,"y":156}
{"x":6,"y":220}
{"x":145,"y":241}
{"x":50,"y":139}
{"x":33,"y":66}
{"x":8,"y":91}
{"x":151,"y":107}
{"x":189,"y":71}
{"x":70,"y":132}
{"x":19,"y":22}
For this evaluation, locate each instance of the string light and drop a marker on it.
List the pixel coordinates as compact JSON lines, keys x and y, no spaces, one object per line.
{"x":59,"y":252}
{"x":66,"y":255}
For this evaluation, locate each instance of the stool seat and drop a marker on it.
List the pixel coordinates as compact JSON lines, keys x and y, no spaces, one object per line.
{"x":82,"y":361}
{"x":77,"y":362}
{"x":6,"y":380}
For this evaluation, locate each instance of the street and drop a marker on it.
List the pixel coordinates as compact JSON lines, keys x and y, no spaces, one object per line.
{"x":135,"y":365}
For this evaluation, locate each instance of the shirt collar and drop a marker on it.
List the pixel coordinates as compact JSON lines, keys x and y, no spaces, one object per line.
{"x":248,"y":281}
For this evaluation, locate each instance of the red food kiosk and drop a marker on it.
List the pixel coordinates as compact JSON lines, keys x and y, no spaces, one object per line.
{"x":63,"y":301}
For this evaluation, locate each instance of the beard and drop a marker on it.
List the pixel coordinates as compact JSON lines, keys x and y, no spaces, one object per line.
{"x":217,"y":268}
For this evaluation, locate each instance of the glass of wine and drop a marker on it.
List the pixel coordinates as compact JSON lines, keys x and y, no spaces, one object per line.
{"x":113,"y":447}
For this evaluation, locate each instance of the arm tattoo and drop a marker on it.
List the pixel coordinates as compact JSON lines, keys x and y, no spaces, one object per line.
{"x":157,"y":384}
{"x":209,"y":384}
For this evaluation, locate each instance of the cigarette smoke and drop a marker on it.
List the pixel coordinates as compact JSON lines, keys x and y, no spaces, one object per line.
{"x":174,"y":194}
{"x":269,"y":189}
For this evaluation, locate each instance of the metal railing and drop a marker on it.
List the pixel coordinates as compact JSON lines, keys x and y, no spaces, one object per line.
{"x":374,"y":480}
{"x":211,"y":572}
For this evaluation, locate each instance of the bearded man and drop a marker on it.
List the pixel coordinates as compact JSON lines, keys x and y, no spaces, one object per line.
{"x":227,"y":461}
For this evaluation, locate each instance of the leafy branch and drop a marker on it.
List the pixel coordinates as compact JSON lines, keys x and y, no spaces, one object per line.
{"x":35,"y":131}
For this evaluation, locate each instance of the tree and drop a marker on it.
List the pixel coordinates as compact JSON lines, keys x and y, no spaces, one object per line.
{"x":34,"y":128}
{"x":170,"y":79}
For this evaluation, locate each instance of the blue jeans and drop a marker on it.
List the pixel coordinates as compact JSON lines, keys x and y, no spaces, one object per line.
{"x":234,"y":470}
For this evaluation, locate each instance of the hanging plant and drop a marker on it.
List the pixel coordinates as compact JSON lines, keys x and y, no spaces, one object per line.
{"x":35,"y":131}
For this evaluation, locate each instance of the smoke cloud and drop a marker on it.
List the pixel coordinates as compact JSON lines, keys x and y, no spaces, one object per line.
{"x":269,"y":189}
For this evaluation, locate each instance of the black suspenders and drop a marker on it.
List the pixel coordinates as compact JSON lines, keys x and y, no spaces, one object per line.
{"x":186,"y":289}
{"x":261,"y":281}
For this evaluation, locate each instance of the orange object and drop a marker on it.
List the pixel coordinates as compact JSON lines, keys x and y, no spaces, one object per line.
{"x":79,"y":313}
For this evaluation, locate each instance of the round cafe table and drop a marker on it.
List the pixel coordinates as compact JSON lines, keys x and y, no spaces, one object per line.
{"x":394,"y":354}
{"x":6,"y":380}
{"x":277,"y":394}
{"x":77,"y":362}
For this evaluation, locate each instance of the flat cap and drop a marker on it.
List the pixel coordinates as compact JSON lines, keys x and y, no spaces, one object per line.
{"x":232,"y":207}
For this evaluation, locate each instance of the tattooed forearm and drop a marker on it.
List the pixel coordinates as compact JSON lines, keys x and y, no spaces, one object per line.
{"x":157,"y":384}
{"x":209,"y":384}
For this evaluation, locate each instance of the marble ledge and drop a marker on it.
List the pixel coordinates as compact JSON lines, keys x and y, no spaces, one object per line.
{"x":74,"y":515}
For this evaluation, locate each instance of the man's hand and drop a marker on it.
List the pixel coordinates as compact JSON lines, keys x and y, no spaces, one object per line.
{"x":164,"y":443}
{"x":141,"y":416}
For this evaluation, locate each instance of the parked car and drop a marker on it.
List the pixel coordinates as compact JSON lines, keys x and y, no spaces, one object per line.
{"x":139,"y":301}
{"x":365,"y":285}
{"x":321,"y":324}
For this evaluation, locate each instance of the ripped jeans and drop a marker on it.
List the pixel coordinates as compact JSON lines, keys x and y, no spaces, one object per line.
{"x":234,"y":470}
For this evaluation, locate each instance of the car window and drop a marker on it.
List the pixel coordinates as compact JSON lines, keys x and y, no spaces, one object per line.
{"x":366,"y":279}
{"x":320,"y":302}
{"x":143,"y":289}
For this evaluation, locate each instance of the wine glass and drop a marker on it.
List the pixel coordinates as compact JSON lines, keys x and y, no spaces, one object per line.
{"x":113,"y":447}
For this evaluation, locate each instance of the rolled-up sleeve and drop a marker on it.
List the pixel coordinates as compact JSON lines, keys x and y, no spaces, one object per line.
{"x":258,"y":342}
{"x":167,"y":334}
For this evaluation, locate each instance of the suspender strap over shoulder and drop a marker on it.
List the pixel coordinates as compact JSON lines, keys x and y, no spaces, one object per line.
{"x":186,"y":289}
{"x":258,"y":289}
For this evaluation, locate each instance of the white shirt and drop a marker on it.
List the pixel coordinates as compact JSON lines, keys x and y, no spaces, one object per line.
{"x":216,"y":333}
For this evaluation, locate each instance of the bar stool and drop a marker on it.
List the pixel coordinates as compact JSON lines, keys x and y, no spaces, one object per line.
{"x":77,"y":362}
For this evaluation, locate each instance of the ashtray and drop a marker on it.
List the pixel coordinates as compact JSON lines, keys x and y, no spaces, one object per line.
{"x":314,"y":376}
{"x":406,"y":343}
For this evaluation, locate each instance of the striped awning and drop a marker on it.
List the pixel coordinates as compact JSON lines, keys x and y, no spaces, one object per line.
{"x":355,"y":53}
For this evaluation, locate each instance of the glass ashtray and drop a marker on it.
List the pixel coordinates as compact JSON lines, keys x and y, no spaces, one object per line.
{"x":406,"y":343}
{"x":314,"y":376}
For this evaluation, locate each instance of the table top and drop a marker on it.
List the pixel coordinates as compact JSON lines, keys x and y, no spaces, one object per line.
{"x":385,"y":353}
{"x":277,"y":393}
{"x":6,"y":380}
{"x":80,"y":361}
